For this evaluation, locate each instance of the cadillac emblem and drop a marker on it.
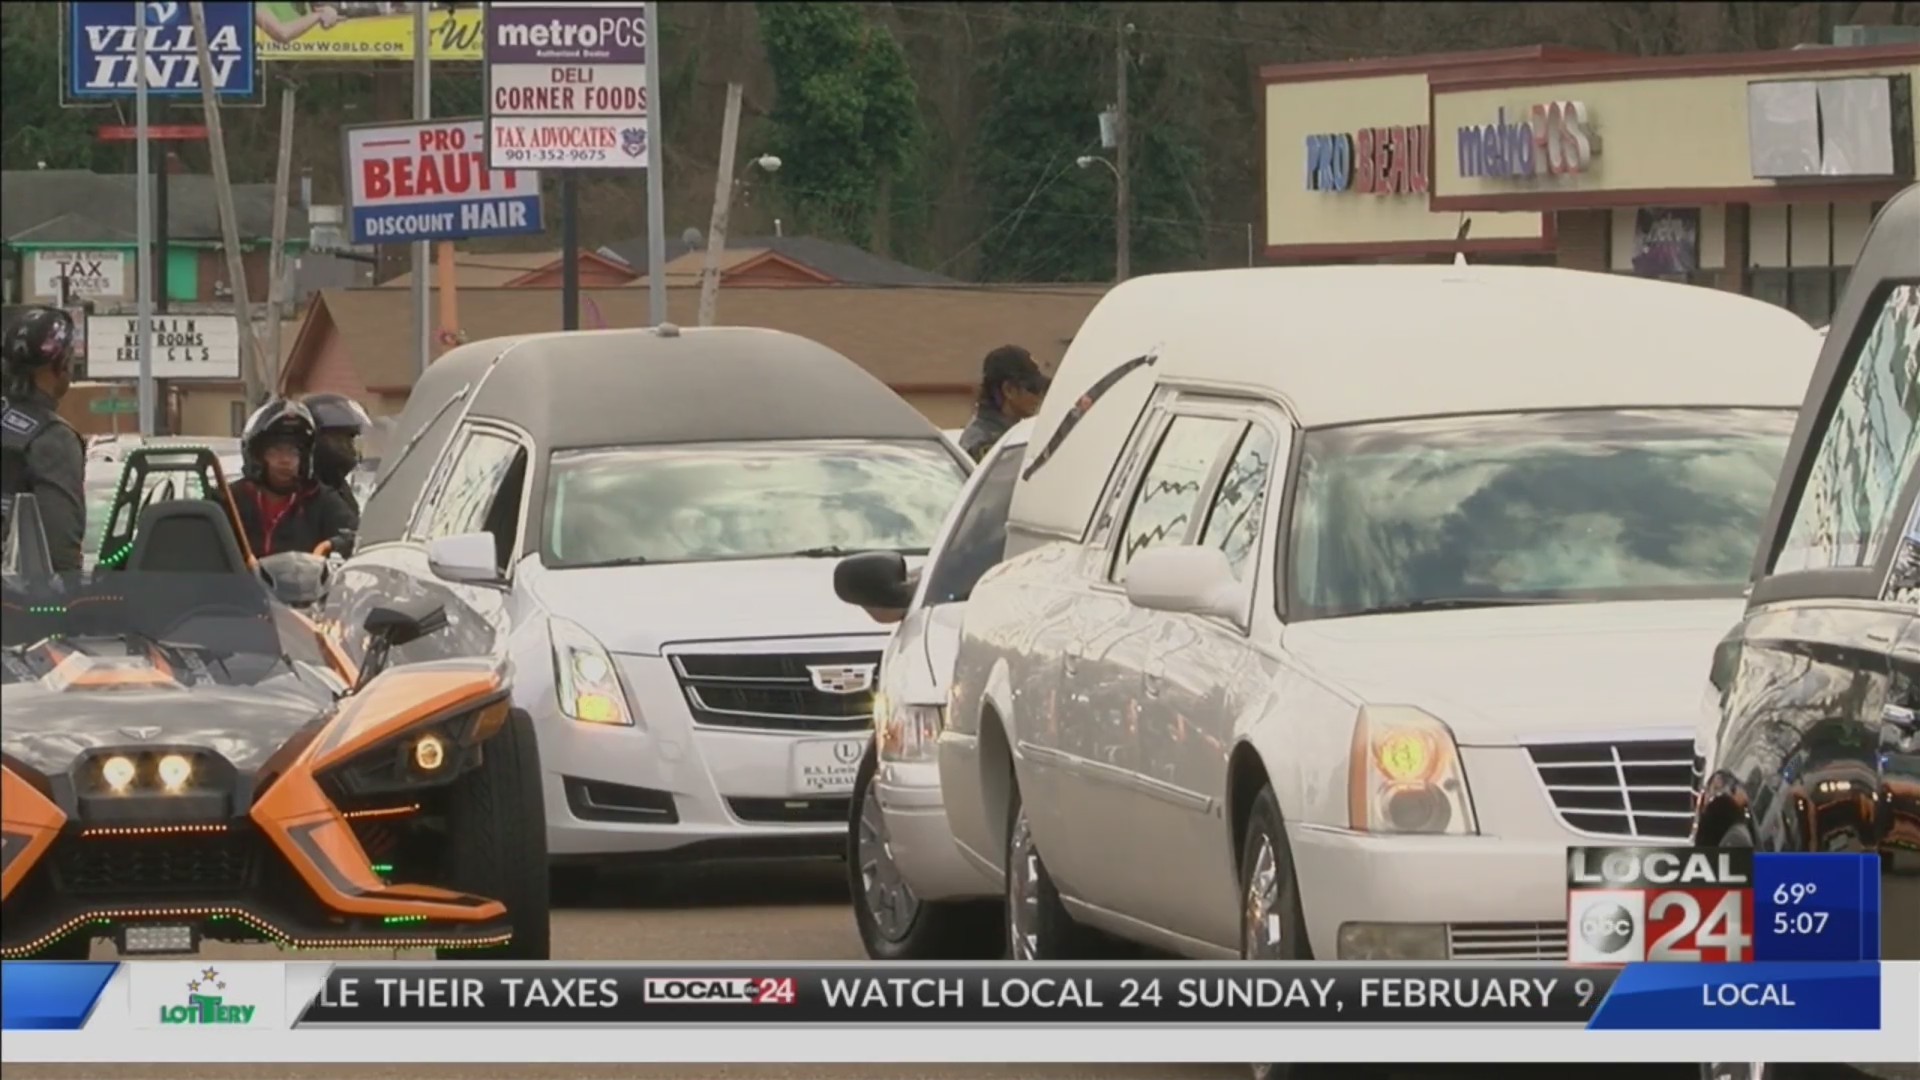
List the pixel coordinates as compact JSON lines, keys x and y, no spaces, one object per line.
{"x":842,"y":678}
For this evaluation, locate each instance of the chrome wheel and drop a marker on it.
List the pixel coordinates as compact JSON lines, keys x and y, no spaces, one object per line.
{"x":1262,"y":924}
{"x":1023,"y":891}
{"x":1734,"y":1070}
{"x":890,"y":903}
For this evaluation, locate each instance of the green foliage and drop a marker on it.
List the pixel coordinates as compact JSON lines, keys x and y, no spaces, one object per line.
{"x":33,"y":126}
{"x":846,"y":116}
{"x":1050,"y":219}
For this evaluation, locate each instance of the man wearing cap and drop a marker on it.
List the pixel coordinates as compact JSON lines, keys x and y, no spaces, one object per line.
{"x":1011,"y":389}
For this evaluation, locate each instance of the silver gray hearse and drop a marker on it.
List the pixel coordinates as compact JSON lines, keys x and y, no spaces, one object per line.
{"x":647,"y":522}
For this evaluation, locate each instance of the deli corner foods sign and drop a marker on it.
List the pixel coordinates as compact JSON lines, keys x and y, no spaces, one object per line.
{"x":102,"y":43}
{"x":430,"y":181}
{"x":567,"y":86}
{"x":1553,"y":139}
{"x":184,"y":347}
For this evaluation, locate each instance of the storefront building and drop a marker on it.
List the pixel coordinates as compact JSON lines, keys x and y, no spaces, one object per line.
{"x":1757,"y":173}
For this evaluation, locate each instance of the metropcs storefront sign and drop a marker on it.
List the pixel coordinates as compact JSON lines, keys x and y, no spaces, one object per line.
{"x":1377,"y":161}
{"x":1554,"y":139}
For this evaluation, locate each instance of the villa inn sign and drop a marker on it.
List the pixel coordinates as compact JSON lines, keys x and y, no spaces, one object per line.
{"x":1554,"y":139}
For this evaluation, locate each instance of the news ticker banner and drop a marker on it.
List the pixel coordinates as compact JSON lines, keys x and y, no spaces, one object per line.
{"x":1725,"y":905}
{"x":259,"y":1011}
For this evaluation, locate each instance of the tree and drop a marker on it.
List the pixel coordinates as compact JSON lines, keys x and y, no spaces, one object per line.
{"x":1049,"y":218}
{"x":846,"y":119}
{"x":33,"y":126}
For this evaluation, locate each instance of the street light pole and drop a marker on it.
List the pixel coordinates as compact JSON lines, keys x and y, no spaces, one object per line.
{"x":422,"y":250}
{"x":143,"y":225}
{"x":1123,"y":195}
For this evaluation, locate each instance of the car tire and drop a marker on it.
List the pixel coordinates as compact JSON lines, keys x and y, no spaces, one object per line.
{"x":1037,"y":924}
{"x":572,"y":883}
{"x":913,"y":929}
{"x":497,"y":826}
{"x":1273,"y":925}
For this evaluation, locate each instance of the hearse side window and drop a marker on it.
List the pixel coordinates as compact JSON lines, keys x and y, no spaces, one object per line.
{"x":466,"y":499}
{"x":979,"y":539}
{"x":1233,"y":522}
{"x":1169,"y":495}
{"x":1867,"y":450}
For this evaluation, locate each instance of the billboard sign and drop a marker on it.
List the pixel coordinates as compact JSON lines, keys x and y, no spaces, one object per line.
{"x":430,"y":181}
{"x":566,"y":86}
{"x":184,"y":347}
{"x":357,"y":31}
{"x":101,"y":43}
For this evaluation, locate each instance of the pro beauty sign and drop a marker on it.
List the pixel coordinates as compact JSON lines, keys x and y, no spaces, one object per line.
{"x":430,"y":181}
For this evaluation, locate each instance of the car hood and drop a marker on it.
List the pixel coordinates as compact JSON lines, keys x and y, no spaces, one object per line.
{"x":1506,"y":675}
{"x":245,"y":725}
{"x":640,"y":609}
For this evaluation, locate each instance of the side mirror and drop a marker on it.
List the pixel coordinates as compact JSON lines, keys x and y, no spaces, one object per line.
{"x":1189,"y":580}
{"x":299,"y":580}
{"x":395,"y":628}
{"x":467,"y":558}
{"x":875,"y":580}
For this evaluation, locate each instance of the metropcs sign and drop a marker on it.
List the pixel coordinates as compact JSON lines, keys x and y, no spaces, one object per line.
{"x":1554,"y":139}
{"x":1377,"y":161}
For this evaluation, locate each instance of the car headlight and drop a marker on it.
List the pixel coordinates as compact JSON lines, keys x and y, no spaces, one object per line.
{"x":1405,"y":775}
{"x":423,"y":755}
{"x":585,"y":679}
{"x":908,"y":733}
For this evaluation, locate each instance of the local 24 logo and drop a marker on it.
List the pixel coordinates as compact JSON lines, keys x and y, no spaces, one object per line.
{"x":1686,"y":905}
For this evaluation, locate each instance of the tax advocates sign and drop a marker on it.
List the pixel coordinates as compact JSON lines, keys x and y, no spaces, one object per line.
{"x":102,"y":43}
{"x":1554,"y":139}
{"x":1371,"y":161}
{"x":567,"y":86}
{"x":430,"y":181}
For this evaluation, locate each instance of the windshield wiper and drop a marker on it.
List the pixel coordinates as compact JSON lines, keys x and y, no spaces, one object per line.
{"x":835,"y":551}
{"x":1461,"y":603}
{"x":625,"y":560}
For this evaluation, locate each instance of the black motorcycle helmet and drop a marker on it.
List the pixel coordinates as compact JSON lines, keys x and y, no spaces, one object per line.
{"x":339,"y":422}
{"x":281,"y":418}
{"x":39,"y":337}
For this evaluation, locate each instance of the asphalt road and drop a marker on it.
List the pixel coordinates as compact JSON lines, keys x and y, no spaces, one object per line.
{"x":727,"y":912}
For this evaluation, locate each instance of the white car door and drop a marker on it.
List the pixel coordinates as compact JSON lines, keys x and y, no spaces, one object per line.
{"x":1201,"y":675}
{"x":1104,"y":707}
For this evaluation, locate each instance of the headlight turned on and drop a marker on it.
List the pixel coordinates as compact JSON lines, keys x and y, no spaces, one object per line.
{"x":584,"y":677}
{"x":1405,"y":775}
{"x":420,"y":756}
{"x":908,"y":733}
{"x":119,"y":772}
{"x":175,"y":770}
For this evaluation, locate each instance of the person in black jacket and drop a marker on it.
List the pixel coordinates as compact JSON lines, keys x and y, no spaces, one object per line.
{"x":339,"y":424}
{"x":1011,"y":389}
{"x":40,"y":453}
{"x":281,"y":505}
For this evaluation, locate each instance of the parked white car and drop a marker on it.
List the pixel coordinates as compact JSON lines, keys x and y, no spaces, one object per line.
{"x":914,"y":897}
{"x":647,"y":521}
{"x":1339,"y":602}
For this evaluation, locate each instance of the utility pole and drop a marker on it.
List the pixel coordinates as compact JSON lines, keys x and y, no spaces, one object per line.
{"x":277,"y":260}
{"x":143,"y":217}
{"x":251,"y":365}
{"x":656,"y":184}
{"x":569,"y":251}
{"x":1123,"y":192}
{"x":422,"y":251}
{"x":722,"y":205}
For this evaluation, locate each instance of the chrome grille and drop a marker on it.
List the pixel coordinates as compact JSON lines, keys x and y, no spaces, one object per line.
{"x":1507,"y":941}
{"x":1627,"y":789}
{"x":773,"y":691}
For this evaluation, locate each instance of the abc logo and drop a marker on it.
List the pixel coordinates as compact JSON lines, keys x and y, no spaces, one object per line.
{"x":1607,"y":927}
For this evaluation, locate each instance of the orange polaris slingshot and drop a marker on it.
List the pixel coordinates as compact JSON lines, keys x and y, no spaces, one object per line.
{"x":186,"y":757}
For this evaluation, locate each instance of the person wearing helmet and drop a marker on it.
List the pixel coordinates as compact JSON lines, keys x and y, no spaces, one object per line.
{"x":40,"y":453}
{"x":339,"y":423}
{"x":281,"y":505}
